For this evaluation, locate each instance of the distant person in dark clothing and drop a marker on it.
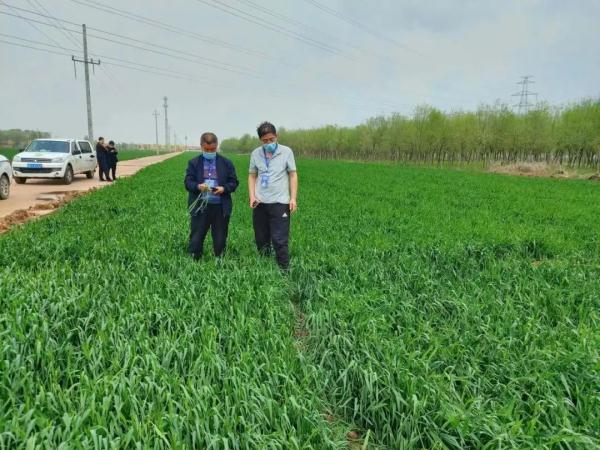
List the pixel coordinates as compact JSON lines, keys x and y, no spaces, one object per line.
{"x":112,"y":159}
{"x":102,"y":157}
{"x":212,"y":176}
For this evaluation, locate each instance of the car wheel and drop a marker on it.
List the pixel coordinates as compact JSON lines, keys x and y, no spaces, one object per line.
{"x":68,"y":177}
{"x":90,"y":174}
{"x":20,"y":180}
{"x":4,"y":187}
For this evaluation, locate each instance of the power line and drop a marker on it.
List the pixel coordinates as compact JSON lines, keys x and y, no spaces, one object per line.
{"x":34,"y":48}
{"x":61,"y":29}
{"x":118,"y":42}
{"x":187,"y":33}
{"x":199,"y":59}
{"x":171,"y":28}
{"x":293,"y":21}
{"x":40,"y":7}
{"x":274,"y":94}
{"x":127,"y":64}
{"x":178,"y":75}
{"x":34,"y":26}
{"x":125,"y":37}
{"x":257,"y":20}
{"x":361,"y":26}
{"x":274,"y":27}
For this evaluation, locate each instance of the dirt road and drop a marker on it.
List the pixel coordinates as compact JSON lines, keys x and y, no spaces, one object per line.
{"x":39,"y":197}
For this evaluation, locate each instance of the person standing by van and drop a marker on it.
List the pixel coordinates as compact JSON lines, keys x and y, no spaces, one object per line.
{"x":102,"y":158}
{"x":112,"y":159}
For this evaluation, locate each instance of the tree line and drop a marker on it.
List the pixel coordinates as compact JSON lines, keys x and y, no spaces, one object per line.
{"x":568,"y":135}
{"x":17,"y":138}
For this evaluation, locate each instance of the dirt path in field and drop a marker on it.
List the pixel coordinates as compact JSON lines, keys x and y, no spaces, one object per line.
{"x":300,"y":330}
{"x":544,"y":170}
{"x":301,"y":337}
{"x":40,"y":197}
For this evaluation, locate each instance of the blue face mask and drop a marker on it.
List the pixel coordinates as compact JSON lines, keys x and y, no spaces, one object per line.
{"x":270,"y":148}
{"x":209,"y":155}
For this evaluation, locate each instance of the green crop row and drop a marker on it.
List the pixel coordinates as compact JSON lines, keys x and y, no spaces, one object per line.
{"x":112,"y":337}
{"x":425,"y":309}
{"x":453,"y":310}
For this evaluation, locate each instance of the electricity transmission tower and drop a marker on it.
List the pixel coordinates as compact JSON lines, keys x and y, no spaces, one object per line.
{"x":88,"y":96}
{"x":524,"y":104}
{"x":167,"y":140}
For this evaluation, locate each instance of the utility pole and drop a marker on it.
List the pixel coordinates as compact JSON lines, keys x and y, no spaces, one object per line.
{"x":186,"y":143}
{"x":86,"y":63}
{"x":166,"y":123}
{"x":524,"y":105}
{"x":155,"y":114}
{"x":175,"y":139}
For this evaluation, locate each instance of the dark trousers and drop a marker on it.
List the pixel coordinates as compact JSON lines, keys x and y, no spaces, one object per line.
{"x":271,"y":223}
{"x":211,"y":218}
{"x":103,"y":167}
{"x":113,"y":170}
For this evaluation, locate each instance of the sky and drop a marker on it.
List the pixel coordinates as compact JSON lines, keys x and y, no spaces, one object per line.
{"x":227,"y":65}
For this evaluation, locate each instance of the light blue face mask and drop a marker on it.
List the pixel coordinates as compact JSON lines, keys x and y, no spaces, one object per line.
{"x":209,"y":155}
{"x":270,"y":148}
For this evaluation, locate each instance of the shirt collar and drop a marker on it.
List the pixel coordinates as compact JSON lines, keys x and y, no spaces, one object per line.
{"x":273,"y":155}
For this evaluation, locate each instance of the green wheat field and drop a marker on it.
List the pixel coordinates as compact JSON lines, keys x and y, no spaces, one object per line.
{"x":425,"y":309}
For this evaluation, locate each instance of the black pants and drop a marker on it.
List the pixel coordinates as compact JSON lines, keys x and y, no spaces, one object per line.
{"x":113,"y":170}
{"x":103,"y":167}
{"x":212,"y":217}
{"x":272,"y":227}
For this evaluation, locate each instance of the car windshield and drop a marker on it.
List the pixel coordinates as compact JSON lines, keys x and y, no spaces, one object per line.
{"x":48,"y":146}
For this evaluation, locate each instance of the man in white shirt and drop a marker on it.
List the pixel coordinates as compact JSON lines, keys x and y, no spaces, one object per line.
{"x":273,"y":187}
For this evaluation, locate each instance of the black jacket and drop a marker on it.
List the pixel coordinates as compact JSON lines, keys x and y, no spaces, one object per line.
{"x":194,"y":175}
{"x":100,"y":151}
{"x":111,"y":155}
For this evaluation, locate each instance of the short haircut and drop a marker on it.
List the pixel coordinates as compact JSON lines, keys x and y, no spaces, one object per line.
{"x":111,"y":142}
{"x":208,"y":138}
{"x":266,"y":128}
{"x":100,"y":138}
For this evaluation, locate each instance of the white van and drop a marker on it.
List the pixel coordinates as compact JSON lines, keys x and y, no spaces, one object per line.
{"x":55,"y":158}
{"x":5,"y":175}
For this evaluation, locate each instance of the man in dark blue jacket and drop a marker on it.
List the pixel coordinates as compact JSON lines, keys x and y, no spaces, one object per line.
{"x":212,"y":176}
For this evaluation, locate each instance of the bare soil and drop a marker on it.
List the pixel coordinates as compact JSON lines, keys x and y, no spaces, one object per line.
{"x":542,"y":170}
{"x":54,"y":200}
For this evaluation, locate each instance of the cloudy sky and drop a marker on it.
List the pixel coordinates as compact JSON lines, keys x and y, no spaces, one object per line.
{"x":226,"y":65}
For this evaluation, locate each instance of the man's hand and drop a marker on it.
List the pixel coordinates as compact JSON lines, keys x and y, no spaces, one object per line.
{"x":218,"y":190}
{"x":253,"y":202}
{"x":293,"y":206}
{"x":203,"y":187}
